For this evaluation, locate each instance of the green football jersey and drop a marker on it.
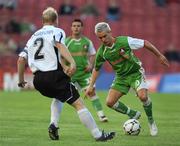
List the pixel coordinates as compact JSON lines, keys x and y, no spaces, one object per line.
{"x":120,"y":56}
{"x":80,"y":49}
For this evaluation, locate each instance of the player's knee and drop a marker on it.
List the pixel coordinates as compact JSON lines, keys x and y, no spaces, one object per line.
{"x":92,"y":95}
{"x":143,"y":97}
{"x":78,"y":104}
{"x":109,"y":103}
{"x":142,"y":94}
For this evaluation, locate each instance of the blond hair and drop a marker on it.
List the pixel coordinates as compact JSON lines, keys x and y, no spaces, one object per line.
{"x":102,"y":26}
{"x":49,"y":15}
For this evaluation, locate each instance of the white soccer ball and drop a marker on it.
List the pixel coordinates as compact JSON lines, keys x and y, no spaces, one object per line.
{"x":132,"y":127}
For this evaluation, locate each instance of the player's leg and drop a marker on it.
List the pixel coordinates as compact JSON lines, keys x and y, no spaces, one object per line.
{"x":113,"y":102}
{"x":141,"y":87}
{"x":43,"y":82}
{"x":83,"y":84}
{"x":56,"y":109}
{"x":87,"y":119}
{"x":147,"y":105}
{"x":66,"y":92}
{"x":98,"y":106}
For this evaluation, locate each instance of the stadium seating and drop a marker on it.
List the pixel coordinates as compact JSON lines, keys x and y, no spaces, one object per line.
{"x":141,"y":19}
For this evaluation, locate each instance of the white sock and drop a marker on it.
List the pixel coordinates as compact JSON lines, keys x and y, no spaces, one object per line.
{"x":87,"y":119}
{"x":56,"y":108}
{"x":100,"y":113}
{"x":128,"y":111}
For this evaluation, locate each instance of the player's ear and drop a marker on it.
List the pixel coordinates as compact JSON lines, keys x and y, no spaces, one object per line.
{"x":110,"y":33}
{"x":71,"y":28}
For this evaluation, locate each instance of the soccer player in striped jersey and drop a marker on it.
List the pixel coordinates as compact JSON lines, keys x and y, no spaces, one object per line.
{"x":42,"y":52}
{"x":129,"y":72}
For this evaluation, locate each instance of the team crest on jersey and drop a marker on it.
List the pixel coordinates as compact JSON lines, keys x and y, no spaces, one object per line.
{"x":122,"y":52}
{"x":137,"y":83}
{"x":85,"y":46}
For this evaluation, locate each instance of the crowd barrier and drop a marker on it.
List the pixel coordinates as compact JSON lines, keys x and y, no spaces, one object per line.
{"x":168,"y":83}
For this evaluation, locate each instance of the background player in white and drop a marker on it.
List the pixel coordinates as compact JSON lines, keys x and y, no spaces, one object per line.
{"x":42,"y":53}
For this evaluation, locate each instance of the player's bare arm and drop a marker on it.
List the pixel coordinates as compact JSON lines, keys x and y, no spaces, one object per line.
{"x":91,"y":63}
{"x":67,"y":56}
{"x":64,"y":66}
{"x":21,"y":68}
{"x":155,"y":51}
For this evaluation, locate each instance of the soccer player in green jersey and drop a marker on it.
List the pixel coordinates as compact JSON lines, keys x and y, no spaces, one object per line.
{"x":83,"y":52}
{"x":129,"y":72}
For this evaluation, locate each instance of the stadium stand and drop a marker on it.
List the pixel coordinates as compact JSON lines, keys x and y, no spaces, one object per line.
{"x":141,"y":19}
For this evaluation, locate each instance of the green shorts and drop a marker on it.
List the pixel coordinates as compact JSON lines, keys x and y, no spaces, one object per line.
{"x":81,"y":82}
{"x":135,"y":81}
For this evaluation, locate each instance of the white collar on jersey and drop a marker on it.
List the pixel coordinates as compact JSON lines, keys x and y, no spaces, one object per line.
{"x":77,"y":39}
{"x":46,"y":26}
{"x":111,"y":46}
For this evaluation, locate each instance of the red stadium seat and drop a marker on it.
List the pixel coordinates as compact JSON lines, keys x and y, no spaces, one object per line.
{"x":141,"y":19}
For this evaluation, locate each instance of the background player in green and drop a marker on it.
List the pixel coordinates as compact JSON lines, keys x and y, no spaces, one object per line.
{"x":83,"y":52}
{"x":129,"y":73}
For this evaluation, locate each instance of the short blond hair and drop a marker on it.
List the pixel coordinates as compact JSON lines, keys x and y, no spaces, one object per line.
{"x":49,"y":15}
{"x":102,"y":26}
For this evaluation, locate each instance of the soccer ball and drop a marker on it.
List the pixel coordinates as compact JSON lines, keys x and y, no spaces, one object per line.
{"x":132,"y":127}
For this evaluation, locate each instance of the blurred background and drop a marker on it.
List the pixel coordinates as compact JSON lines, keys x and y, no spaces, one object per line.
{"x":157,"y":21}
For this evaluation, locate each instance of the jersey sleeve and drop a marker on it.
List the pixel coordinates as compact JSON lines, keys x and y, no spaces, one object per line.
{"x":60,"y":36}
{"x":99,"y":60}
{"x":135,"y":43}
{"x":91,"y":50}
{"x":24,"y":53}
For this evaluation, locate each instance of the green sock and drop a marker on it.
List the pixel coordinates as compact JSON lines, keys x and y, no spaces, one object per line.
{"x":131,"y":113}
{"x":97,"y":104}
{"x":148,"y":111}
{"x":122,"y":108}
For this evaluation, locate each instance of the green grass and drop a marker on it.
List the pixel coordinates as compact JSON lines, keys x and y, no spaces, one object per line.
{"x":24,"y":118}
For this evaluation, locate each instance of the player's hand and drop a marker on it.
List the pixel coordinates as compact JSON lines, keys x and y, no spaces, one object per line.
{"x":22,"y":84}
{"x":70,"y":70}
{"x":67,"y":70}
{"x":89,"y":91}
{"x":88,"y":68}
{"x":163,"y":60}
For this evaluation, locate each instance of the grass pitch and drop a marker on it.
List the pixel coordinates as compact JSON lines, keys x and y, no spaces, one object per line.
{"x":24,"y":119}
